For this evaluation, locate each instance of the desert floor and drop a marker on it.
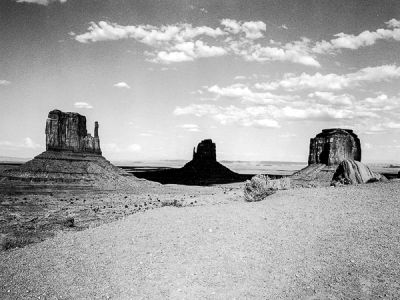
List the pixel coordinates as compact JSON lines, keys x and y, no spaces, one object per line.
{"x":207,"y":243}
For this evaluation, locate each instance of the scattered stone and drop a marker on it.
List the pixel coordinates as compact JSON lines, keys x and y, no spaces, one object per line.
{"x":68,"y":222}
{"x":355,"y":172}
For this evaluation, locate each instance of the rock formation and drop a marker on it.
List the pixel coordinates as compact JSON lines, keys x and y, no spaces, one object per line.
{"x":206,"y":151}
{"x":72,"y":160}
{"x":332,"y":146}
{"x":203,"y":169}
{"x":67,"y":132}
{"x":354,"y":172}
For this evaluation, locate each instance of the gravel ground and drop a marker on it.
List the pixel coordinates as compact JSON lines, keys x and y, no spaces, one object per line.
{"x":321,"y":243}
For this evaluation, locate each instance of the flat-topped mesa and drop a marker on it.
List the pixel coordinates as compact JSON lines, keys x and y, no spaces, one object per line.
{"x":332,"y":146}
{"x":67,"y":132}
{"x":205,"y":151}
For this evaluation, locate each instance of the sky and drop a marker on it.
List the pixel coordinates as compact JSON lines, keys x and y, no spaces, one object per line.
{"x":260,"y":78}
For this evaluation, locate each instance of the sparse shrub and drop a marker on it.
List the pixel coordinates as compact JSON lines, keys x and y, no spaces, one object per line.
{"x":256,"y":189}
{"x":261,"y":186}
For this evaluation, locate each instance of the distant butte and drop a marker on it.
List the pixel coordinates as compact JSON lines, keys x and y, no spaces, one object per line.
{"x":327,"y":150}
{"x":203,"y":169}
{"x":332,"y":146}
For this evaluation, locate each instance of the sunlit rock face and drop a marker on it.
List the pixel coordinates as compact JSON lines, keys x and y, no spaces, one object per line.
{"x":67,"y":132}
{"x":332,"y":146}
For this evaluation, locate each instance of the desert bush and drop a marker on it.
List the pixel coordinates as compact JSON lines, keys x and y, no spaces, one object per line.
{"x":256,"y":189}
{"x":261,"y":186}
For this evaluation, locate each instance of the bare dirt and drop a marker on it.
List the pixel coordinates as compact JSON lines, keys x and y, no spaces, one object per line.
{"x":320,"y":243}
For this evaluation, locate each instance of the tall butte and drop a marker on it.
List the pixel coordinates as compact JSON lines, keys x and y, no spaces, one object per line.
{"x":67,"y":132}
{"x":332,"y":146}
{"x":327,"y":150}
{"x":73,"y":159}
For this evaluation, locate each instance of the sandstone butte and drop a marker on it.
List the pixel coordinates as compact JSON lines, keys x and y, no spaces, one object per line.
{"x":330,"y":150}
{"x":73,"y":159}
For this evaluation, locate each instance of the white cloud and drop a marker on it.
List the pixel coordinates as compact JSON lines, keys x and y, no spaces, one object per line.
{"x":240,"y":77}
{"x":134,"y":148}
{"x":41,"y":2}
{"x":190,"y":127}
{"x":380,"y":127}
{"x":26,"y":143}
{"x":4,"y":82}
{"x":393,"y":23}
{"x":146,"y":34}
{"x":295,"y":52}
{"x":146,"y":134}
{"x":244,"y":93}
{"x":29,"y":143}
{"x":365,"y":38}
{"x":122,"y":85}
{"x":249,"y":116}
{"x":252,"y":30}
{"x":83,"y":105}
{"x":333,"y":81}
{"x":329,"y":97}
{"x":182,"y":42}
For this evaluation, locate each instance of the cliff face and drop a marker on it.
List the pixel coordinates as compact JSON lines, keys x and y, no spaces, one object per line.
{"x":206,"y":151}
{"x":332,"y":146}
{"x":67,"y":131}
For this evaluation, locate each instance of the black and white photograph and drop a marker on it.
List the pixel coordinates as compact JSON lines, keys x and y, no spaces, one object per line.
{"x":199,"y":149}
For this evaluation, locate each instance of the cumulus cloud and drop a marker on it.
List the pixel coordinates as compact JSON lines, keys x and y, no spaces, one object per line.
{"x":146,"y":34}
{"x":296,"y":52}
{"x":333,"y":81}
{"x":122,"y":85}
{"x":252,"y":30}
{"x":29,"y":143}
{"x":365,"y":38}
{"x":190,"y":127}
{"x":134,"y":148}
{"x":244,"y":93}
{"x":183,"y":42}
{"x":83,"y":105}
{"x":41,"y":2}
{"x":4,"y":82}
{"x":249,"y":116}
{"x":26,"y":143}
{"x":329,"y":97}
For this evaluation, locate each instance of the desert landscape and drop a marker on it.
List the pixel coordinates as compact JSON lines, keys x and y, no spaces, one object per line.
{"x":199,"y":150}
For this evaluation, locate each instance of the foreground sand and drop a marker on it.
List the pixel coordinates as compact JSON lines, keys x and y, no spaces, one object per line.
{"x":322,"y":243}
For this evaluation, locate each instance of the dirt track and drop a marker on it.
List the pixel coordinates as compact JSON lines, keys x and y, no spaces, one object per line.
{"x":323,"y":243}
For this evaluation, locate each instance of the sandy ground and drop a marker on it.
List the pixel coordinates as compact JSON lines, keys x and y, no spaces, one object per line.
{"x":321,"y":243}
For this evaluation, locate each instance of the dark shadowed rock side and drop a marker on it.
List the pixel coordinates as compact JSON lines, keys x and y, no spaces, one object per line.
{"x":203,"y":169}
{"x":332,"y":146}
{"x":72,"y":160}
{"x":354,"y":172}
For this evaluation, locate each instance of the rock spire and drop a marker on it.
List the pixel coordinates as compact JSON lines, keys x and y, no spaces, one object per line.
{"x":67,"y":132}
